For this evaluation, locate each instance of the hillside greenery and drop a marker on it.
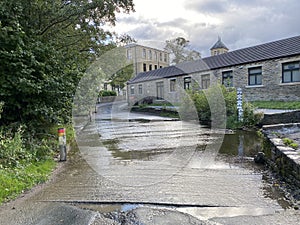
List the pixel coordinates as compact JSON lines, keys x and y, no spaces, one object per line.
{"x":45,"y":48}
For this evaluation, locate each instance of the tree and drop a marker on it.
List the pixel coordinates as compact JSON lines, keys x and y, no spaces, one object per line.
{"x":119,"y":79}
{"x":179,"y":50}
{"x":125,"y":39}
{"x":46,"y":45}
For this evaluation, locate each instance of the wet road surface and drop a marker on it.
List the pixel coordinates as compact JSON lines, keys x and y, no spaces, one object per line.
{"x":137,"y":169}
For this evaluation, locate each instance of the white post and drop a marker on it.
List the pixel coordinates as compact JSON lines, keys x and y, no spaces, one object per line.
{"x":239,"y":93}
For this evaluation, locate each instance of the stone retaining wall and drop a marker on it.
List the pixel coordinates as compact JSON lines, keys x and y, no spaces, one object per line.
{"x":281,"y":118}
{"x":108,"y":99}
{"x":284,"y":159}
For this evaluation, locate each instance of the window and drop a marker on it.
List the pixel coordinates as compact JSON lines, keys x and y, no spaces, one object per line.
{"x":150,"y":54}
{"x":155,"y":67}
{"x":140,"y":89}
{"x":132,"y":90}
{"x":150,"y":67}
{"x":165,"y":57}
{"x":144,"y":53}
{"x":172,"y":85}
{"x":255,"y":76}
{"x":187,"y":83}
{"x":227,"y":79}
{"x":160,"y":56}
{"x":155,"y":56}
{"x":205,"y":81}
{"x":290,"y":72}
{"x":144,"y":67}
{"x":129,"y":54}
{"x":160,"y":90}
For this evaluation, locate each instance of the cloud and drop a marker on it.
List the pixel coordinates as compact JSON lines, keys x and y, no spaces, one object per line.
{"x":203,"y":6}
{"x":240,"y":23}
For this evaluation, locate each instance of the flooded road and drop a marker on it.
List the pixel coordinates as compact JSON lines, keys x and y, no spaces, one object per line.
{"x":138,"y":169}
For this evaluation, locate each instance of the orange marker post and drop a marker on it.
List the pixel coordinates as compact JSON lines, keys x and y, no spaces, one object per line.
{"x":62,"y":144}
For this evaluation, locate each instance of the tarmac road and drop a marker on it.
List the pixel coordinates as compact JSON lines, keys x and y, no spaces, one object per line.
{"x":125,"y":173}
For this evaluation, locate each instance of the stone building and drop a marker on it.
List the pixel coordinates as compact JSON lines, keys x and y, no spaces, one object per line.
{"x":266,"y":72}
{"x":218,"y":48}
{"x":143,"y":59}
{"x":146,"y":58}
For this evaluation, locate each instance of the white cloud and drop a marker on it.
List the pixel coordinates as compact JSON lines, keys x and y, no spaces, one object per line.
{"x":240,"y":23}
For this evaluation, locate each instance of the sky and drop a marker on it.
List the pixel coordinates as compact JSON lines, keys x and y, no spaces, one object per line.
{"x":239,"y":23}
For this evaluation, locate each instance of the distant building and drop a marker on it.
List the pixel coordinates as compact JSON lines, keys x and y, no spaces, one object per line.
{"x":266,"y":72}
{"x":146,"y":58}
{"x":218,"y":48}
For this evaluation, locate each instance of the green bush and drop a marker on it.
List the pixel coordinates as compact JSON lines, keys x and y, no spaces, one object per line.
{"x":250,"y":117}
{"x":12,"y":149}
{"x":203,"y":107}
{"x":27,"y":158}
{"x":105,"y":93}
{"x":19,"y":148}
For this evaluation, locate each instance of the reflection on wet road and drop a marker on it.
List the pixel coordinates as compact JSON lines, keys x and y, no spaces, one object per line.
{"x":132,"y":167}
{"x":153,"y":160}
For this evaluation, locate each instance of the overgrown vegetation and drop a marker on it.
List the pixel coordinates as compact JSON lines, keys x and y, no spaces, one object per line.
{"x":277,"y":105}
{"x":203,"y":107}
{"x":46,"y":47}
{"x":14,"y":181}
{"x":26,"y":161}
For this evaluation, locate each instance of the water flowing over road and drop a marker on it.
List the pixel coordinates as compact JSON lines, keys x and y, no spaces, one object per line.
{"x":141,"y":169}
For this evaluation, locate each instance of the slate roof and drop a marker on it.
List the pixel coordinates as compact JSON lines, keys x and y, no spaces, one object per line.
{"x":219,"y":44}
{"x":170,"y":71}
{"x":193,"y":66}
{"x":272,"y":50}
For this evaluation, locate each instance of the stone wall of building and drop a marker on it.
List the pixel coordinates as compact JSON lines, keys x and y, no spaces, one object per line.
{"x":146,"y":92}
{"x":272,"y":87}
{"x":146,"y":58}
{"x":149,"y":88}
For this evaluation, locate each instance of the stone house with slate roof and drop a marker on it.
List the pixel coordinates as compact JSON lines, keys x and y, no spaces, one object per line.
{"x":218,"y":48}
{"x":265,"y":72}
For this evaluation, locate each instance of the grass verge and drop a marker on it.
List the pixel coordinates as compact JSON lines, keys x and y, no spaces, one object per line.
{"x":15,"y":181}
{"x":277,"y":105}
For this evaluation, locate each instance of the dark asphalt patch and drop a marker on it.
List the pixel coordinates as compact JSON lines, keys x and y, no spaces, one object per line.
{"x":62,"y":214}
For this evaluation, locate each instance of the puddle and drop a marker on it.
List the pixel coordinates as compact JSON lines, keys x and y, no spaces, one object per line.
{"x":147,"y":140}
{"x":241,"y":143}
{"x":141,"y":155}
